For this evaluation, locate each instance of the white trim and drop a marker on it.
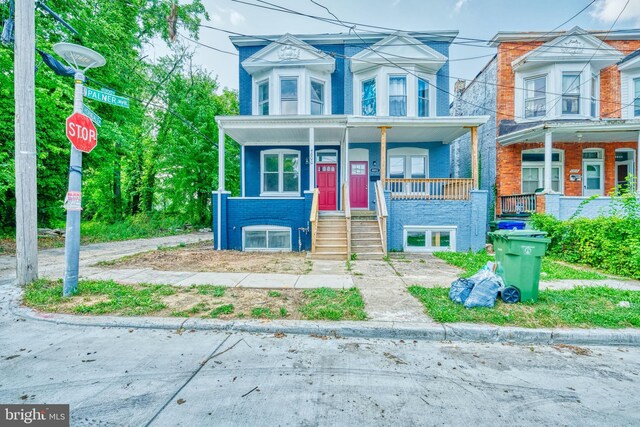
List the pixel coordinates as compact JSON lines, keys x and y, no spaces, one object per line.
{"x":407,"y":153}
{"x":219,"y":209}
{"x":598,"y":162}
{"x":428,"y":229}
{"x":280,"y":153}
{"x":627,"y":93}
{"x":630,"y":163}
{"x":540,"y":165}
{"x":242,"y":169}
{"x":266,"y":229}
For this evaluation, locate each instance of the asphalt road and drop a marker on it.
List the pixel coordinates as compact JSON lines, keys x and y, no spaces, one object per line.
{"x":138,"y":377}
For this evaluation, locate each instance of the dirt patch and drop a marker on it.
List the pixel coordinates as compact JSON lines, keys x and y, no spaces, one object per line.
{"x":8,"y":244}
{"x":201,"y":257}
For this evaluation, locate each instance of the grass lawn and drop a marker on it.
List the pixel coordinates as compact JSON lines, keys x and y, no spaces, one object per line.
{"x":580,"y":307}
{"x":551,"y":270}
{"x":101,"y":297}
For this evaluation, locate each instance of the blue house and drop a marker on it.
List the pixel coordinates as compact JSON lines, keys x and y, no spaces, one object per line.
{"x":344,"y":143}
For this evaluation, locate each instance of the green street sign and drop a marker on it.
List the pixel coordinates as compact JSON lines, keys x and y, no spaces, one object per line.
{"x":92,"y":115}
{"x":106,"y":97}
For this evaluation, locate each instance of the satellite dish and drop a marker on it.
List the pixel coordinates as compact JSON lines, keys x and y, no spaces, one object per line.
{"x":79,"y":57}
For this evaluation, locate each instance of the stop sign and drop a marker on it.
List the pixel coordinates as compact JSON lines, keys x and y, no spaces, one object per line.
{"x":81,"y":132}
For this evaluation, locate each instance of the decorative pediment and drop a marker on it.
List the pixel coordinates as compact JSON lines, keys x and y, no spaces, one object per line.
{"x":576,"y":45}
{"x":288,"y":51}
{"x":401,"y":49}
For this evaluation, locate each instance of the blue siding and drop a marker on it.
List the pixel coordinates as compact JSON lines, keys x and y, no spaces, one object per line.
{"x":467,"y":215}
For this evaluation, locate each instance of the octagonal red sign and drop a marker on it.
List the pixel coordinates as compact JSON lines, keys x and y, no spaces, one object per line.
{"x":81,"y":132}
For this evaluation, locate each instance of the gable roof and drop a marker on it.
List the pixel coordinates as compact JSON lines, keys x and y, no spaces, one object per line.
{"x":401,"y":49}
{"x":630,"y":61}
{"x":289,"y":51}
{"x":576,"y":45}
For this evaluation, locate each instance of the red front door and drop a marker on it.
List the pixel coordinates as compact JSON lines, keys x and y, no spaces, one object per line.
{"x":326,"y":179}
{"x":359,"y":185}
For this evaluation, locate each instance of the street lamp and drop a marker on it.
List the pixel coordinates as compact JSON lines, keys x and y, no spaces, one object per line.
{"x":81,"y":59}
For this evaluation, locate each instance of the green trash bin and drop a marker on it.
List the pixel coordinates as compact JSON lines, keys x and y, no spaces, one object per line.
{"x":518,"y":259}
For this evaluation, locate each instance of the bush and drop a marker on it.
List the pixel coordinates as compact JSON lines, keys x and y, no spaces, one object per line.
{"x":611,"y":243}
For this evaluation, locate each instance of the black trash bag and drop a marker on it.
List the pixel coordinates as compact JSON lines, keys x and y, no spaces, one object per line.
{"x":460,"y":290}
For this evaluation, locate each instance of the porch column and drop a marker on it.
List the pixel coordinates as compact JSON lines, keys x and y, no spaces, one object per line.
{"x":312,"y":159}
{"x":548,"y":161}
{"x":474,"y":158}
{"x":346,"y":171}
{"x":220,"y":158}
{"x":242,"y":174}
{"x":638,"y":166}
{"x":383,"y":154}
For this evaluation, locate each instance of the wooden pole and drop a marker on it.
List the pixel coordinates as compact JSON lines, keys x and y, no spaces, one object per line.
{"x":25,"y":144}
{"x":383,"y":153}
{"x":474,"y":158}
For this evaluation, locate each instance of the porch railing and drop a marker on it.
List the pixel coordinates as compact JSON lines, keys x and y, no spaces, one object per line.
{"x":346,"y":205}
{"x":429,"y":188}
{"x":518,"y":204}
{"x":313,"y":218}
{"x":381,"y":214}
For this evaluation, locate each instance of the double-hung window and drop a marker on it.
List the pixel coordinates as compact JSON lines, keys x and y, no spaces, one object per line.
{"x":570,"y":93}
{"x":280,"y":172}
{"x":289,"y":95}
{"x":397,"y":95}
{"x":594,"y":95}
{"x":535,"y":97}
{"x":636,"y":97}
{"x":533,"y":172}
{"x":369,"y":97}
{"x":317,"y":98}
{"x":263,"y":98}
{"x":423,"y":98}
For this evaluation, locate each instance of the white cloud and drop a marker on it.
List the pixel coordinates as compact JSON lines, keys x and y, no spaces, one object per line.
{"x":608,"y":10}
{"x":236,"y":18}
{"x":458,"y":5}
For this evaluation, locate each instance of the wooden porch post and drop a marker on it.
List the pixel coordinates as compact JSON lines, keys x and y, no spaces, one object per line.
{"x":474,"y":158}
{"x":383,"y":153}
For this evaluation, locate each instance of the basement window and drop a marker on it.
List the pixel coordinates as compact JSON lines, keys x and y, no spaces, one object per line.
{"x":429,"y":238}
{"x":266,"y":238}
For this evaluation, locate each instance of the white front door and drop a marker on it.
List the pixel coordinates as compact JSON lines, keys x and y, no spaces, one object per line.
{"x":592,"y":178}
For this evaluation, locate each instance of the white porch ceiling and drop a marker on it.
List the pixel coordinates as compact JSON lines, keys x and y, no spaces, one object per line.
{"x":602,"y":131}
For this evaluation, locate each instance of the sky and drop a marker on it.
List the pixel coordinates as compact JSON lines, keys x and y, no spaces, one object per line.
{"x":480,"y":19}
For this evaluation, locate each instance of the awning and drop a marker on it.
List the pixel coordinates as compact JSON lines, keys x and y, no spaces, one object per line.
{"x":274,"y":130}
{"x":606,"y":130}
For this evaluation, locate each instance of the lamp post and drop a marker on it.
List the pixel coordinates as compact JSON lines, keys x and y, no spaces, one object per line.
{"x":81,"y":59}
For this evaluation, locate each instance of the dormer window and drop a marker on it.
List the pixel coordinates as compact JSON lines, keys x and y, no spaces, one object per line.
{"x":317,"y":97}
{"x":423,"y":98}
{"x":535,"y":96}
{"x":288,"y":95}
{"x":263,"y":98}
{"x":369,"y":97}
{"x":397,"y":95}
{"x":570,"y":93}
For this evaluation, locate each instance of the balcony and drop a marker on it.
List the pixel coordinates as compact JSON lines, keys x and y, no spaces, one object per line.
{"x":429,"y":188}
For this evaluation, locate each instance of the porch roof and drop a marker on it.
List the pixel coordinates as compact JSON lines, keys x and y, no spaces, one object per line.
{"x":258,"y":130}
{"x":605,"y":130}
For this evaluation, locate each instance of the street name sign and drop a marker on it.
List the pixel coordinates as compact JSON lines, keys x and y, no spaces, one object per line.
{"x":92,"y":115}
{"x":106,"y":97}
{"x":81,"y":132}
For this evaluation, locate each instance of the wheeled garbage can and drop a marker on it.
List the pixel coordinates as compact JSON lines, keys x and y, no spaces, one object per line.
{"x":518,"y":260}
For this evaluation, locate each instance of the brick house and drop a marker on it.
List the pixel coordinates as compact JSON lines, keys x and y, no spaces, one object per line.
{"x":343,"y":151}
{"x":566,"y":113}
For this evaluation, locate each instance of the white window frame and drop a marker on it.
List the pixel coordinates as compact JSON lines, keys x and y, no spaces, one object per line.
{"x":524,"y":95}
{"x":324,"y":95}
{"x":429,"y":100}
{"x":540,"y":165}
{"x":428,"y":230}
{"x":599,"y":161}
{"x":289,"y":77}
{"x":280,"y":192}
{"x":576,"y":80}
{"x":304,"y":76}
{"x":377,"y":100}
{"x":258,"y":84}
{"x":266,"y":229}
{"x":406,"y":94}
{"x":631,"y":163}
{"x":594,"y":93}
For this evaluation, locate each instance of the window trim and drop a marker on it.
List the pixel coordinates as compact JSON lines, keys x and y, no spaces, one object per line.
{"x":428,"y":229}
{"x":418,"y":97}
{"x":594,"y":96}
{"x":406,"y":94}
{"x":297,"y":98}
{"x":375,"y":82}
{"x":280,"y":192}
{"x":540,"y":165}
{"x":311,"y":101}
{"x":258,"y":104}
{"x":266,"y":229}
{"x":577,"y":75}
{"x":525,"y":99}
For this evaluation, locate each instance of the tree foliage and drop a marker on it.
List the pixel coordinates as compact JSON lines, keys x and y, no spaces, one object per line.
{"x":159,"y":155}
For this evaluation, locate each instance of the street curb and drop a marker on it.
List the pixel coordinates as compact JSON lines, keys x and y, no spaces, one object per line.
{"x":366,"y":329}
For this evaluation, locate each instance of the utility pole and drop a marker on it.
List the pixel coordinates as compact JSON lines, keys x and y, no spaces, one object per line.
{"x":25,"y":133}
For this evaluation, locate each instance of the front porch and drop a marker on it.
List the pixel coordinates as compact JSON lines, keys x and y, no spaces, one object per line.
{"x":294,"y":169}
{"x":577,"y":162}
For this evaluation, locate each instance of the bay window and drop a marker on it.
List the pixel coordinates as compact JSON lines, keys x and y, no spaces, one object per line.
{"x":423,"y":98}
{"x":280,"y":172}
{"x":397,"y":95}
{"x":317,"y":98}
{"x":570,"y":93}
{"x":263,"y":98}
{"x":594,"y":95}
{"x":289,"y":95}
{"x":535,"y":96}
